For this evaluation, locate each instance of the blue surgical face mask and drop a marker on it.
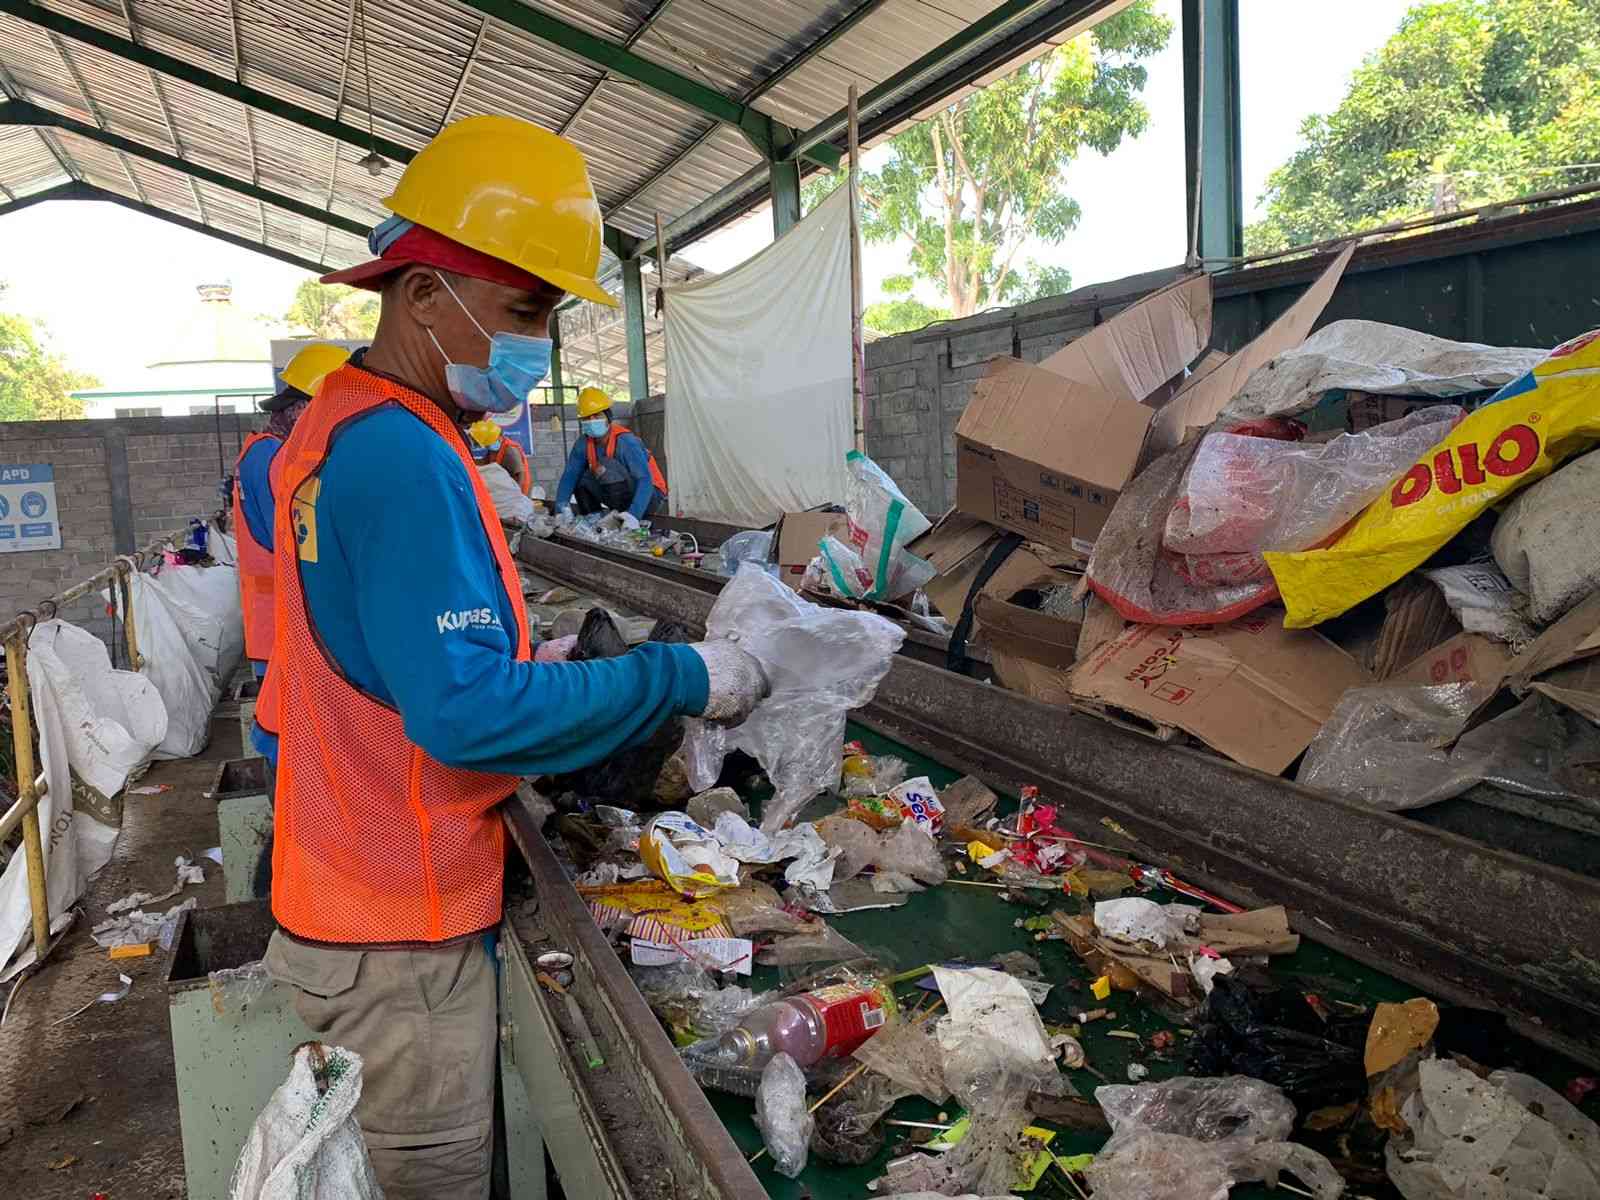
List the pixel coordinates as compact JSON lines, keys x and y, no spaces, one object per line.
{"x":594,"y":426}
{"x":517,"y":365}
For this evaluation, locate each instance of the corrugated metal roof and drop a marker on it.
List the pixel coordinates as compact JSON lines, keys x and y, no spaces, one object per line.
{"x":431,"y":61}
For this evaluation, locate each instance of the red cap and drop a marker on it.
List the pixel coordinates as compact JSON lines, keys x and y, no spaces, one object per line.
{"x":423,"y":247}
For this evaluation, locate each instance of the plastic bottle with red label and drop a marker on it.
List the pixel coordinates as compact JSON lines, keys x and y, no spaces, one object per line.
{"x":828,"y":1022}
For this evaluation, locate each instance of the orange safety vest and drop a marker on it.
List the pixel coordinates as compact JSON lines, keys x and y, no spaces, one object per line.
{"x":375,"y":841}
{"x":255,"y":561}
{"x":657,"y":479}
{"x":509,"y":449}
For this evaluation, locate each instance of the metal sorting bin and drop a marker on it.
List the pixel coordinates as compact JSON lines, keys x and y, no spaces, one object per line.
{"x":230,"y":1053}
{"x":244,"y":827}
{"x":246,"y":692}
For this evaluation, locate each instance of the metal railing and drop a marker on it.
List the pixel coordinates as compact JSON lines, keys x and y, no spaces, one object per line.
{"x":31,"y":787}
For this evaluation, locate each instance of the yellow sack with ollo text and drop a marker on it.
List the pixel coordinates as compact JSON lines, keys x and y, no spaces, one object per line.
{"x":1517,"y":438}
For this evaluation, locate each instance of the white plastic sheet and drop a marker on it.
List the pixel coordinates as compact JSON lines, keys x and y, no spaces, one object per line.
{"x":94,"y":722}
{"x":1367,"y":356}
{"x":214,"y":620}
{"x":758,"y":363}
{"x":177,"y":642}
{"x":821,"y":663}
{"x":507,"y":497}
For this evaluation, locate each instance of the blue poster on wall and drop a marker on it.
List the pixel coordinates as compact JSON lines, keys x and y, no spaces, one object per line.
{"x":518,"y":426}
{"x":28,"y":516}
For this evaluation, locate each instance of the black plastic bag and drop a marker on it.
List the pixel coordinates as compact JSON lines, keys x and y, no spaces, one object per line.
{"x":1278,"y":1037}
{"x":628,"y":778}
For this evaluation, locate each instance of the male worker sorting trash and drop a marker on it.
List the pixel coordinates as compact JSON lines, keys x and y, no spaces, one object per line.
{"x":403,"y":686}
{"x":491,"y":445}
{"x":609,"y":466}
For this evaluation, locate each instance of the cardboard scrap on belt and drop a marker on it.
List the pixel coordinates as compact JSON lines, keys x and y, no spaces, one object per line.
{"x":1044,"y":451}
{"x":1563,"y":663}
{"x":796,"y":538}
{"x":1202,"y":397}
{"x":1252,"y":690}
{"x":1416,"y":617}
{"x":1465,"y":658}
{"x":959,"y":546}
{"x":1263,"y":931}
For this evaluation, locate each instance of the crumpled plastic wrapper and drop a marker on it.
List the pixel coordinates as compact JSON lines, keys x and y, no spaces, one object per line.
{"x":1192,"y":1139}
{"x":129,"y":929}
{"x":907,"y":850}
{"x":1384,"y":747}
{"x":1476,"y":1139}
{"x":820,"y":663}
{"x":781,"y":1115}
{"x":1136,"y":920}
{"x":236,"y":989}
{"x":1243,"y":494}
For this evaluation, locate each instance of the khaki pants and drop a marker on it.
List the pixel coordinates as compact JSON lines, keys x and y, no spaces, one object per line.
{"x":423,"y":1022}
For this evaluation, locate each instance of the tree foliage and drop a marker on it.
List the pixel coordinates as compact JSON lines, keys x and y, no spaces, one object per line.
{"x":35,"y":382}
{"x":974,"y":183}
{"x":1470,"y":102}
{"x":902,"y":312}
{"x":331,"y":310}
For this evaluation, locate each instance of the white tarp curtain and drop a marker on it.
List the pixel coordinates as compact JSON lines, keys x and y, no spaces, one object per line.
{"x":97,"y":725}
{"x":758,"y":365}
{"x":191,"y":637}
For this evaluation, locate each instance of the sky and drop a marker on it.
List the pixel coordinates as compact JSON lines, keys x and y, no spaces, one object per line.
{"x":112,"y":287}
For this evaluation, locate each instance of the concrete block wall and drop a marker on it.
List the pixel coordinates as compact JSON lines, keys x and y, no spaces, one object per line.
{"x":119,"y":485}
{"x":918,"y":384}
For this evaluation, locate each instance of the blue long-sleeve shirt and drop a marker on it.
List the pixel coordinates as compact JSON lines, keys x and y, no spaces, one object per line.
{"x":631,"y":453}
{"x":402,"y":587}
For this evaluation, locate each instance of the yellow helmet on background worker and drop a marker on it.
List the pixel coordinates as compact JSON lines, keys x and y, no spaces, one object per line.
{"x":309,"y":367}
{"x":511,"y":190}
{"x":592,"y":400}
{"x":486,"y":433}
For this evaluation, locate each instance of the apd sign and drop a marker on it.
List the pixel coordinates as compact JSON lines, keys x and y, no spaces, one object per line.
{"x":29,"y":519}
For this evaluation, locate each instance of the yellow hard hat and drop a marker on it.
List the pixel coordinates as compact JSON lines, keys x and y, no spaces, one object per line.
{"x":513,"y":191}
{"x":485,"y":432}
{"x":592,"y":400}
{"x":308,"y":368}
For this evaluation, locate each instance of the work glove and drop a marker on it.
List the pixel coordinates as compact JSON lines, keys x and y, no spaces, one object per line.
{"x":738,"y":683}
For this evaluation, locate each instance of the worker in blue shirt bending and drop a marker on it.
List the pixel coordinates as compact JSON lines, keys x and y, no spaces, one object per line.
{"x":404,"y":687}
{"x":609,"y":466}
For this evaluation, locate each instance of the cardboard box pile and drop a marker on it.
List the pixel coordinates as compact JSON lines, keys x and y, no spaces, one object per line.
{"x":1042,"y":455}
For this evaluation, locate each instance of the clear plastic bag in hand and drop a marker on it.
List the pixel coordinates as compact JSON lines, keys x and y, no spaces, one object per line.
{"x":820,"y":662}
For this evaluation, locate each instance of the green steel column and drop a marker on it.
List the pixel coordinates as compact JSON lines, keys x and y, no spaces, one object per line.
{"x":557,"y":395}
{"x":1212,"y":127}
{"x":633,"y":313}
{"x":786,"y":214}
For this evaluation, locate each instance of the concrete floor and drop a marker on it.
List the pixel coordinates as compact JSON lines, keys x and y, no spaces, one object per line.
{"x":99,"y":1089}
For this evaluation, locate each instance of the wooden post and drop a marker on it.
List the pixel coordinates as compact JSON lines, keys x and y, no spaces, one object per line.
{"x":858,"y":348}
{"x":27,"y":793}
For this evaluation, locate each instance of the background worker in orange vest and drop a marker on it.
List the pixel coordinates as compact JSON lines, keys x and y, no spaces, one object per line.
{"x":253,"y":492}
{"x":609,"y":466}
{"x":491,"y":445}
{"x":403,"y":686}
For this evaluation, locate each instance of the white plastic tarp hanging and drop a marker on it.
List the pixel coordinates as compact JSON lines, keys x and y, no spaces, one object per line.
{"x":216,"y":631}
{"x":177,"y":642}
{"x":758,"y":391}
{"x":93,"y":722}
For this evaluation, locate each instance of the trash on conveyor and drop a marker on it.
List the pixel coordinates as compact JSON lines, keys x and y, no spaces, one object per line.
{"x":1388,"y":362}
{"x":1509,"y":1135}
{"x":1193,"y":1139}
{"x":830,"y":1022}
{"x":131,"y":928}
{"x":1522,"y":434}
{"x":1547,"y":542}
{"x":874,"y":563}
{"x":821,"y":663}
{"x":1485,"y":601}
{"x":786,"y":1126}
